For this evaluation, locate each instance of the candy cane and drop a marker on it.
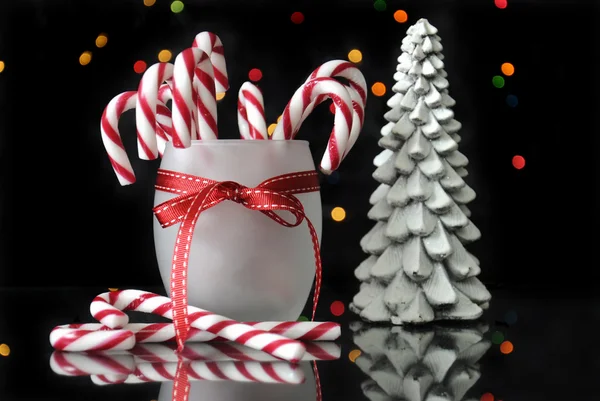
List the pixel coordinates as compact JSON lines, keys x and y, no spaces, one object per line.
{"x":111,"y":138}
{"x":108,"y":309}
{"x":357,"y":87}
{"x":292,"y":118}
{"x":251,"y":113}
{"x":165,"y":332}
{"x":193,"y":100}
{"x":211,"y":45}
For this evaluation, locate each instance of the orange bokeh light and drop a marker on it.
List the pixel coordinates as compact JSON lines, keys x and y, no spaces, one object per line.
{"x":401,"y":16}
{"x":378,"y":89}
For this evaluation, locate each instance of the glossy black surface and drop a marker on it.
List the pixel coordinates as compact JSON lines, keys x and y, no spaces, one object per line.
{"x":555,"y":354}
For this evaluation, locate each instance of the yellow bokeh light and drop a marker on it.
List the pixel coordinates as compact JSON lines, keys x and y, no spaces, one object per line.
{"x":508,"y":69}
{"x":165,"y":56}
{"x":400,"y":16}
{"x":354,"y":354}
{"x":101,"y":40}
{"x":2,"y":66}
{"x":338,"y":214}
{"x":4,"y":350}
{"x":113,"y":289}
{"x":271,"y":129}
{"x":85,"y":58}
{"x":149,"y":3}
{"x":378,"y":89}
{"x":355,"y":56}
{"x":279,"y":118}
{"x":220,"y":95}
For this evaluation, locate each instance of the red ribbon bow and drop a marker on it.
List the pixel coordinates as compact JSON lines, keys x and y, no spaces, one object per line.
{"x":197,"y":194}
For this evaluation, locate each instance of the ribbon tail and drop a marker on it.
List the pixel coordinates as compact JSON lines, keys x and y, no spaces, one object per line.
{"x":318,"y":265}
{"x":181,"y":382}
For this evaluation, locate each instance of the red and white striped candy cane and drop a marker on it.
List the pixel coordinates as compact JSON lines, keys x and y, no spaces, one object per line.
{"x":211,"y":45}
{"x":193,"y":98}
{"x":111,"y":138}
{"x":357,"y":87}
{"x":74,"y":340}
{"x":251,"y":113}
{"x":165,"y":332}
{"x":147,"y":100}
{"x":108,"y":309}
{"x":293,"y":114}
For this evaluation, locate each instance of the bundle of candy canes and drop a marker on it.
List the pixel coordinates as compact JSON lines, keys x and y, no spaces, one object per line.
{"x":209,"y":362}
{"x":280,"y":340}
{"x":191,"y":84}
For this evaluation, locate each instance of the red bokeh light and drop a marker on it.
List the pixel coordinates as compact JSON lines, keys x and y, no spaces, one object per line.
{"x":501,"y":3}
{"x":518,"y":162}
{"x":487,"y":397}
{"x":332,"y":108}
{"x":297,"y":17}
{"x":255,"y":74}
{"x":139,"y":66}
{"x":337,"y":308}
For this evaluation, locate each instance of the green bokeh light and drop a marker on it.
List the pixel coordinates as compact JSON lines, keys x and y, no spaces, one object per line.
{"x":177,"y":6}
{"x":303,"y":319}
{"x":380,"y":5}
{"x":497,"y":337}
{"x":498,"y":81}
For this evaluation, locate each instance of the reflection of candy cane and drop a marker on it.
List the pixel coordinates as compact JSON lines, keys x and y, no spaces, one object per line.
{"x":251,"y":113}
{"x":108,"y":309}
{"x":66,"y":339}
{"x":357,"y":89}
{"x":193,"y":100}
{"x":211,"y":45}
{"x":292,"y":117}
{"x":165,"y":332}
{"x":80,"y":364}
{"x":146,"y":108}
{"x":111,"y":137}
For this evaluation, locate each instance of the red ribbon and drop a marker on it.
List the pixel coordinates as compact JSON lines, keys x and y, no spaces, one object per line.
{"x":197,"y":194}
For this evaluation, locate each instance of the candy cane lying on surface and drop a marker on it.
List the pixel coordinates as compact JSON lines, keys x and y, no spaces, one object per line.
{"x":115,"y":369}
{"x":145,"y":333}
{"x":357,"y":88}
{"x":251,"y":113}
{"x":212,"y":46}
{"x":194,"y":98}
{"x":145,"y":116}
{"x":111,"y":138}
{"x":293,"y":116}
{"x":108,"y":309}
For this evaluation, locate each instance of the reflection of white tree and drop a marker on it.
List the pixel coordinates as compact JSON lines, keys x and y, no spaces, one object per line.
{"x":425,"y":364}
{"x":418,"y":269}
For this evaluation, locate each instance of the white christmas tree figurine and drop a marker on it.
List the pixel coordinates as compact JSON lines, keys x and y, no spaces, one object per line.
{"x":434,"y":364}
{"x":418,"y":270}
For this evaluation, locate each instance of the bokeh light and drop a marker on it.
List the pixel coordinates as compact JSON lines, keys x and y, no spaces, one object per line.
{"x":139,"y":66}
{"x":510,"y":317}
{"x":113,"y":289}
{"x":506,"y":347}
{"x":101,"y":40}
{"x":400,"y":16}
{"x":297,"y":17}
{"x":2,"y":65}
{"x":220,"y":95}
{"x":85,"y":58}
{"x":512,"y":100}
{"x":497,"y":337}
{"x":255,"y":75}
{"x":487,"y":397}
{"x":164,"y":56}
{"x":4,"y":350}
{"x":337,"y":308}
{"x":378,"y":89}
{"x":332,"y":108}
{"x":498,"y":81}
{"x":271,"y":129}
{"x":149,"y":3}
{"x":518,"y":162}
{"x":507,"y":69}
{"x":303,"y":319}
{"x":355,"y":353}
{"x":338,"y":213}
{"x":279,"y":118}
{"x":380,"y":5}
{"x":177,"y":6}
{"x":501,"y":3}
{"x":355,"y":56}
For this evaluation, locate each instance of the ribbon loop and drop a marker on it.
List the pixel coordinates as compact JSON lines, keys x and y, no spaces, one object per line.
{"x":197,"y":194}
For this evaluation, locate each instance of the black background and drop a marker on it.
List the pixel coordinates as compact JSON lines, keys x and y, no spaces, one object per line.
{"x":65,"y":221}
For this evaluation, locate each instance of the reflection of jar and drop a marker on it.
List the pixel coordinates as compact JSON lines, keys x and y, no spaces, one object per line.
{"x":242,"y":264}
